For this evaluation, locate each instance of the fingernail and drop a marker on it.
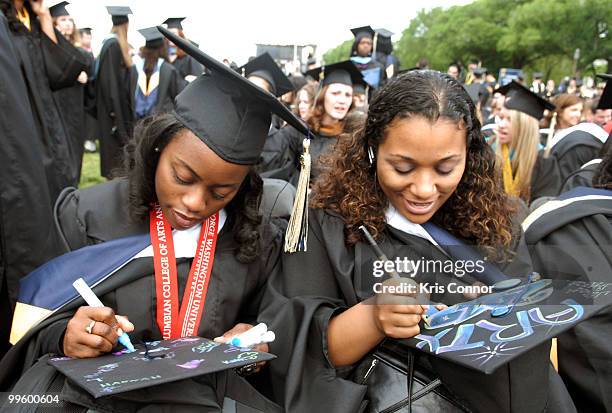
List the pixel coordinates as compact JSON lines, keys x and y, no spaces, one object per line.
{"x":119,"y":331}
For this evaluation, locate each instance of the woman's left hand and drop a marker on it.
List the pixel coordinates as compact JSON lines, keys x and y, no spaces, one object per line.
{"x":82,"y":78}
{"x":239,"y":329}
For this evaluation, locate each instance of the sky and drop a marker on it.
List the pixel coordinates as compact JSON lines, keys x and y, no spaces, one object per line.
{"x":232,"y":28}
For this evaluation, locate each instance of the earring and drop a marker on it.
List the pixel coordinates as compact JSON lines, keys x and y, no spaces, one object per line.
{"x":371,"y":155}
{"x":156,"y":149}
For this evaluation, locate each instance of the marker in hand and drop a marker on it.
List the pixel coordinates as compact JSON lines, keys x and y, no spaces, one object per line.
{"x":252,"y":337}
{"x":92,"y":300}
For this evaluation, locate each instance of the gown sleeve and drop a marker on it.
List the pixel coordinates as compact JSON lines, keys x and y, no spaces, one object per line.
{"x":63,"y":61}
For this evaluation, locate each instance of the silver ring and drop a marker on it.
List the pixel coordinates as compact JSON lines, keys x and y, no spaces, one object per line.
{"x":90,"y":327}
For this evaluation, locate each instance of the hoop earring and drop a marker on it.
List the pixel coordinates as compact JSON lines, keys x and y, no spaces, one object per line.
{"x":371,"y":155}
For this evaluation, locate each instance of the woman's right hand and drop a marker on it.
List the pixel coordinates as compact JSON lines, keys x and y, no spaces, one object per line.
{"x":79,"y":343}
{"x":398,"y":315}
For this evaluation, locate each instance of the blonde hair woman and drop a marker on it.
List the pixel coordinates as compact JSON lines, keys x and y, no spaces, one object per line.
{"x":526,"y":172}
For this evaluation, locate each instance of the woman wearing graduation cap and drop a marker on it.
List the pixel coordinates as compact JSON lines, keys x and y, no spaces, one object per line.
{"x":421,"y":179}
{"x":73,"y":100}
{"x":326,"y":119}
{"x":363,"y":56}
{"x":158,"y":81}
{"x":570,"y":238}
{"x":49,"y":63}
{"x":186,"y":65}
{"x":526,"y":172}
{"x":115,"y":85}
{"x":190,"y":171}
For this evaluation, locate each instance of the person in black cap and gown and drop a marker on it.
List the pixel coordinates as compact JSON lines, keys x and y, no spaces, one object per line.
{"x":115,"y":84}
{"x":384,"y":53}
{"x":49,"y":62}
{"x":158,"y":81}
{"x":326,"y":120}
{"x":190,"y":167}
{"x":186,"y":65}
{"x":362,"y":56}
{"x":73,"y":100}
{"x":418,"y":166}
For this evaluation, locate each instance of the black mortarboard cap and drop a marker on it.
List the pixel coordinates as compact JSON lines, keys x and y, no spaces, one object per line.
{"x":359,"y":89}
{"x":537,"y":75}
{"x":605,"y":101}
{"x":59,"y":9}
{"x":174,"y":22}
{"x":153,"y":37}
{"x":475,"y":335}
{"x":226,"y":111}
{"x":85,"y":30}
{"x":480,"y":71}
{"x":119,"y":14}
{"x":384,"y":32}
{"x":522,"y":99}
{"x":363,"y":30}
{"x":343,"y":72}
{"x":265,"y":67}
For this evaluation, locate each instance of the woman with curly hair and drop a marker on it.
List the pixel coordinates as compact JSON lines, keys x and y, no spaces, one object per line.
{"x":420,"y":178}
{"x":190,"y":206}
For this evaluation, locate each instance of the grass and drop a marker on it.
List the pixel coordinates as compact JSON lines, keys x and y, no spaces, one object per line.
{"x":90,"y":173}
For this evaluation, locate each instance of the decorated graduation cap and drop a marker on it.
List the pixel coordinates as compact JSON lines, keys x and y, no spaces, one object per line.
{"x":345,"y":73}
{"x":59,"y":9}
{"x":119,"y":14}
{"x":153,"y":37}
{"x":363,"y":31}
{"x":174,"y":22}
{"x":522,"y":99}
{"x":605,"y":101}
{"x":227,"y":112}
{"x":265,"y":67}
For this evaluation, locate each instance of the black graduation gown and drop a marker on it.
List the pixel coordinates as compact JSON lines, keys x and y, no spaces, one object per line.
{"x":188,"y":66}
{"x":574,"y":150}
{"x":545,"y":178}
{"x":373,"y":64}
{"x":274,"y":154}
{"x":575,"y":243}
{"x":581,"y":177}
{"x":27,"y":235}
{"x":234,"y":295}
{"x":331,"y":277}
{"x":170,"y":85}
{"x":47,"y":67}
{"x":291,"y":139}
{"x":115,"y":105}
{"x":72,"y":102}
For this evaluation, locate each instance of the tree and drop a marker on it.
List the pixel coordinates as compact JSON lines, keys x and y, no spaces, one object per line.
{"x":339,"y":53}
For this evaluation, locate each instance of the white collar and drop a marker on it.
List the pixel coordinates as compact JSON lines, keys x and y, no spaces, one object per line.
{"x":398,"y":221}
{"x":185,"y":242}
{"x":588,"y":127}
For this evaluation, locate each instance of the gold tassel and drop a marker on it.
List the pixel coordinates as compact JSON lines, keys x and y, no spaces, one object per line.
{"x":296,"y":236}
{"x":511,"y":185}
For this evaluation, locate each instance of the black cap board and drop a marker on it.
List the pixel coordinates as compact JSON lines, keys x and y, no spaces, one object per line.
{"x":86,"y":30}
{"x":59,"y":9}
{"x":265,"y":67}
{"x":384,"y":32}
{"x":119,"y":14}
{"x":174,"y":22}
{"x":605,"y":101}
{"x":154,"y":39}
{"x":343,"y":72}
{"x":522,"y":99}
{"x":364,"y":30}
{"x":226,"y":111}
{"x":480,"y":71}
{"x":537,"y":75}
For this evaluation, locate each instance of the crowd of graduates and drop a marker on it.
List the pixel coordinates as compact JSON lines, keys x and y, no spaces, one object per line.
{"x":292,"y":177}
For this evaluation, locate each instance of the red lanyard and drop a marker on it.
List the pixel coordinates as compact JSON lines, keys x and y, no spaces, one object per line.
{"x":171,"y":323}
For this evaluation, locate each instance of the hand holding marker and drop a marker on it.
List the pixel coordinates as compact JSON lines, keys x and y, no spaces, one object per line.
{"x":92,"y":300}
{"x":252,"y":337}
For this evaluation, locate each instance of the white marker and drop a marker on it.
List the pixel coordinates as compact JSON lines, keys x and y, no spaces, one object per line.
{"x":252,"y":334}
{"x":92,"y":300}
{"x":266,"y":337}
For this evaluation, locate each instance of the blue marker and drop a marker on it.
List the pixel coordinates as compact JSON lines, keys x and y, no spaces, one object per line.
{"x":93,"y":301}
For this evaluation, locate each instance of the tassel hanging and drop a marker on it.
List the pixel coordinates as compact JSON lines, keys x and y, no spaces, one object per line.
{"x":296,"y":237}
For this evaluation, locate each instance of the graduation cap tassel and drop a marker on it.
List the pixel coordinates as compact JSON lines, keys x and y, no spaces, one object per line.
{"x":296,"y":236}
{"x":551,"y":132}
